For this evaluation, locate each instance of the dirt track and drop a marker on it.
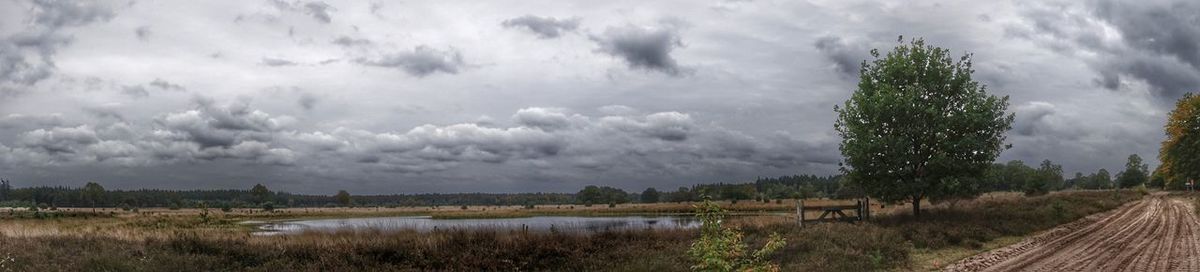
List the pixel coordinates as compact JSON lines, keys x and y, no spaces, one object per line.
{"x":1154,"y":234}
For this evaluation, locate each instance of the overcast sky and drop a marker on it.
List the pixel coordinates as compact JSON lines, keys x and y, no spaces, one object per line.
{"x":519,"y":96}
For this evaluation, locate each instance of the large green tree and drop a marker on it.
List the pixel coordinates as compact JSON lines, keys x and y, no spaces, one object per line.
{"x":918,"y":126}
{"x":1136,"y":173}
{"x":1180,"y":152}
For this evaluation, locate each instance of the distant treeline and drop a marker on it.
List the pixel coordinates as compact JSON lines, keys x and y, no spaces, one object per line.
{"x":94,"y":195}
{"x":1010,"y":176}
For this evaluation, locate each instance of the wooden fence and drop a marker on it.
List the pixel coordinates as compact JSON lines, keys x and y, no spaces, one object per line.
{"x":835,"y":213}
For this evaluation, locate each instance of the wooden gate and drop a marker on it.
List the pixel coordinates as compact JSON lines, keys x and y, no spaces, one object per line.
{"x":835,"y":213}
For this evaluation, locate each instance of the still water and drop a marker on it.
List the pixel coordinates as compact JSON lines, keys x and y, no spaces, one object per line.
{"x":536,"y":224}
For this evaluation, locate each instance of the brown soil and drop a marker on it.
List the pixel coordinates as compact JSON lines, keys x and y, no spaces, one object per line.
{"x":1158,"y":233}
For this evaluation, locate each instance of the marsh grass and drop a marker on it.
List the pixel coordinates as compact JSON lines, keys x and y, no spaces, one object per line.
{"x":183,"y":241}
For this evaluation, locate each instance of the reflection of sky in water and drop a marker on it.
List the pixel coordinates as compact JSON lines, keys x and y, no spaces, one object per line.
{"x":539,"y":223}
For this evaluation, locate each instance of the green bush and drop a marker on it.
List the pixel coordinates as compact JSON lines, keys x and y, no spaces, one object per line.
{"x":721,"y":248}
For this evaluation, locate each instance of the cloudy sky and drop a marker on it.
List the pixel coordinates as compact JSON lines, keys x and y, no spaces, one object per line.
{"x":518,"y":96}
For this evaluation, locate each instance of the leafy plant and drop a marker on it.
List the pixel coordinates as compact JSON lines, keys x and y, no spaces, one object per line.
{"x":721,"y":248}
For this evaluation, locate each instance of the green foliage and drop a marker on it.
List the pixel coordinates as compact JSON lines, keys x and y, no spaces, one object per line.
{"x":1135,"y":173}
{"x":650,"y":195}
{"x":1178,"y":155}
{"x":1158,"y":179}
{"x":342,"y":198}
{"x":1101,"y":180}
{"x":260,"y":192}
{"x":918,"y":126}
{"x":721,"y":248}
{"x":596,"y":195}
{"x":93,"y":193}
{"x":1046,"y":178}
{"x":268,"y":206}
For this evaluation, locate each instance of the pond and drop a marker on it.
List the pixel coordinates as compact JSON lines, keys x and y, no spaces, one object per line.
{"x":535,"y":224}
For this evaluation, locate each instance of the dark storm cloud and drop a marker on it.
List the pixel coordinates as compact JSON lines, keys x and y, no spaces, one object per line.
{"x":421,"y":61}
{"x":1166,"y":38}
{"x":847,"y":58}
{"x":1158,"y":41}
{"x":212,"y":132}
{"x":17,"y":68}
{"x":544,"y":27}
{"x":642,"y":47}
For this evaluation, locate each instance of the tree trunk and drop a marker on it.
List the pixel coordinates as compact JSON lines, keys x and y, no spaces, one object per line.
{"x":916,"y":207}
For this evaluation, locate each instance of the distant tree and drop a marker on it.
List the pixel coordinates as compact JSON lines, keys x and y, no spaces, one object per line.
{"x":1101,"y":179}
{"x":1158,"y":179}
{"x":1178,"y":155}
{"x":5,"y":190}
{"x":598,"y":195}
{"x":737,"y":192}
{"x":1135,"y":173}
{"x":343,"y":198}
{"x":93,"y":193}
{"x":683,"y":194}
{"x":650,"y":195}
{"x":261,"y":193}
{"x":1048,"y":177}
{"x":1075,"y":182}
{"x":918,"y":124}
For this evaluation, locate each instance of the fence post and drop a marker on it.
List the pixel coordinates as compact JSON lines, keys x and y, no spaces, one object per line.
{"x":860,"y":210}
{"x":867,"y":208}
{"x":800,"y":210}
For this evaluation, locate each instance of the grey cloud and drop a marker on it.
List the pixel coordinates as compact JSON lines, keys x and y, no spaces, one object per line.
{"x":544,"y":27}
{"x":216,"y":126}
{"x":1166,"y":38}
{"x":16,"y":122}
{"x":163,"y":84}
{"x":307,"y":101}
{"x":347,"y":41}
{"x":1157,"y":41}
{"x":60,"y":139}
{"x":274,"y":62}
{"x":136,"y":91}
{"x":421,"y":61}
{"x":17,"y":69}
{"x":846,"y":58}
{"x":642,"y":47}
{"x":1030,"y":116}
{"x":317,"y":9}
{"x":142,"y":91}
{"x":543,"y":118}
{"x":57,"y":14}
{"x":142,"y":32}
{"x":545,"y":137}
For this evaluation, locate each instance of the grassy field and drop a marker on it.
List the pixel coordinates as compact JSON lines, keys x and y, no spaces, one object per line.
{"x":175,"y":240}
